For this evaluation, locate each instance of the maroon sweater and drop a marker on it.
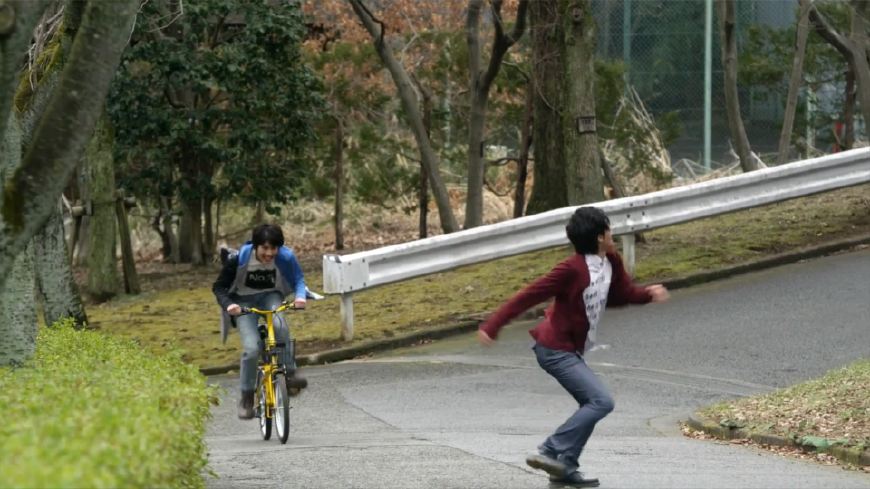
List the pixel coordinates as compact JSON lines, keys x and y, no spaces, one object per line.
{"x":565,"y":324}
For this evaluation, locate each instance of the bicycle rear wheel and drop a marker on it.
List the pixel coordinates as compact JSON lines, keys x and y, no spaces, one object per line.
{"x":282,"y":408}
{"x":262,"y":408}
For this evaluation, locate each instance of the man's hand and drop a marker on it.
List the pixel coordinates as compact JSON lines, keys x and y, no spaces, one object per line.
{"x":234,"y":309}
{"x":299,"y":304}
{"x":484,"y":338}
{"x":658,"y":292}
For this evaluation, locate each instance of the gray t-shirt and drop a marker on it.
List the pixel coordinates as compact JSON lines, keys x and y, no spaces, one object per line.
{"x":259,"y":277}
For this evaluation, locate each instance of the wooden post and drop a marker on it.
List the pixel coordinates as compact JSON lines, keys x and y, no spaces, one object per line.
{"x":131,"y":279}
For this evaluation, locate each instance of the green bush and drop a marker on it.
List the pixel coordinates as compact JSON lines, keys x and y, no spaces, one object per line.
{"x":95,"y":411}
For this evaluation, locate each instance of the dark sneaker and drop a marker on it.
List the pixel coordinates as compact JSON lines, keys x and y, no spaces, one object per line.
{"x":548,"y":464}
{"x":574,"y":479}
{"x":246,"y":405}
{"x":295,"y":384}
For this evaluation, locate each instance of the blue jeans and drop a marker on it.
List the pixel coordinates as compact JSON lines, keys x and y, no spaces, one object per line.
{"x":571,"y":371}
{"x":250,"y":336}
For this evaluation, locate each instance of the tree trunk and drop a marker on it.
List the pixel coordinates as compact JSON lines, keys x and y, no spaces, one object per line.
{"x":54,"y":277}
{"x":583,"y":168}
{"x":190,"y":233}
{"x":797,"y":69}
{"x":526,"y":142}
{"x":423,"y":189}
{"x":477,"y":117}
{"x":423,"y":199}
{"x":853,"y":49}
{"x":732,"y":100}
{"x":103,"y":282}
{"x":412,"y":112}
{"x":209,"y":243}
{"x":567,"y":168}
{"x":174,"y":255}
{"x":17,"y":314}
{"x":217,"y":218}
{"x":849,"y":110}
{"x":128,"y":261}
{"x":841,"y":44}
{"x":480,"y":83}
{"x":338,"y":155}
{"x":858,"y":46}
{"x":18,"y":18}
{"x":548,"y":189}
{"x":17,"y":311}
{"x":259,"y":214}
{"x":31,"y":192}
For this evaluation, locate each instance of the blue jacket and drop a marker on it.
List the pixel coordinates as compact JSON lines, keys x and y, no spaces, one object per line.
{"x":234,"y":271}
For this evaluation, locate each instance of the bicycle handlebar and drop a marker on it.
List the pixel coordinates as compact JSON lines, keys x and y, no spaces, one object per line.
{"x":284,"y":306}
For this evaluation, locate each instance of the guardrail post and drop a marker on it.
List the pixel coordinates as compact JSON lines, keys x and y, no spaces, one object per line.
{"x":347,"y":317}
{"x":628,"y":252}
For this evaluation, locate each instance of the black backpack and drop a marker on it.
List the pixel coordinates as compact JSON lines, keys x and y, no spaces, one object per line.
{"x":227,"y":253}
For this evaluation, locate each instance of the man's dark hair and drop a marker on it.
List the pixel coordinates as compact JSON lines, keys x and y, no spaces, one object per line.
{"x":584,"y":227}
{"x":268,"y":233}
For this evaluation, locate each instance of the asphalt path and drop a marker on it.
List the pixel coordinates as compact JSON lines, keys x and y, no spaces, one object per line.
{"x":452,"y":414}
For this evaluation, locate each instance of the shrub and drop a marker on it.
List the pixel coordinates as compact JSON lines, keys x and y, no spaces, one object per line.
{"x":94,"y":411}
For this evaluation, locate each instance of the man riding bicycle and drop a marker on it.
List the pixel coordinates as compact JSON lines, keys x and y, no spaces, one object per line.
{"x":260,"y":275}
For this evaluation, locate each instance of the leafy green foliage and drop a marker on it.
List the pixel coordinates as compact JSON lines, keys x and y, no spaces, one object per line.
{"x":94,"y":411}
{"x":766,"y":62}
{"x":384,"y":172}
{"x":216,"y":101}
{"x":381,"y":161}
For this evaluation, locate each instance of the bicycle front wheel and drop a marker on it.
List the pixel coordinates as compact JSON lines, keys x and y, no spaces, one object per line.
{"x":263,"y":408}
{"x":282,"y":408}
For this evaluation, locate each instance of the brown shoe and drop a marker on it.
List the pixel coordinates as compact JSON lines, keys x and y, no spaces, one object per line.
{"x":246,"y":405}
{"x":295,"y":384}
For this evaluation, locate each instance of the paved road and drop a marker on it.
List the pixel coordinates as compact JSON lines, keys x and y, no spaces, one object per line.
{"x":454,"y":415}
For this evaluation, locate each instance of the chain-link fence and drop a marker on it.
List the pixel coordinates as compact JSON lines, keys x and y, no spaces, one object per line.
{"x":662,"y":44}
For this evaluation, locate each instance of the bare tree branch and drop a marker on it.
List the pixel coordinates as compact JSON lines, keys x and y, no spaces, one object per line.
{"x":828,"y":33}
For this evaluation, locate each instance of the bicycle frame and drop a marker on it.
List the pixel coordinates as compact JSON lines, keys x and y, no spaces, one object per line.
{"x":270,"y":368}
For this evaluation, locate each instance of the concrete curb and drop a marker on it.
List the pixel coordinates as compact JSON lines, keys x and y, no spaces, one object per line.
{"x":469,"y":325}
{"x":850,"y":455}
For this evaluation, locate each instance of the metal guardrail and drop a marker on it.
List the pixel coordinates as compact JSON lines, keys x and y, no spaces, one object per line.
{"x":359,"y":271}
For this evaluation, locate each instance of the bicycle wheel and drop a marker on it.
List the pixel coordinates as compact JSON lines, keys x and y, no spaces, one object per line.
{"x":262,"y":408}
{"x":282,"y":408}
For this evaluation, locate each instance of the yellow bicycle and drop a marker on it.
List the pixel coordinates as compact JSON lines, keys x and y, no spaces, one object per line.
{"x":273,"y":401}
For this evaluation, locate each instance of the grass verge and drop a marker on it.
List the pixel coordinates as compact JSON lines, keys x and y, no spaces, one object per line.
{"x":834,"y":409}
{"x":179,"y":311}
{"x":827,"y":414}
{"x":94,"y":411}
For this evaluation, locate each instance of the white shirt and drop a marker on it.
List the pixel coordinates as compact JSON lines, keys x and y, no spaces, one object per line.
{"x":595,"y":295}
